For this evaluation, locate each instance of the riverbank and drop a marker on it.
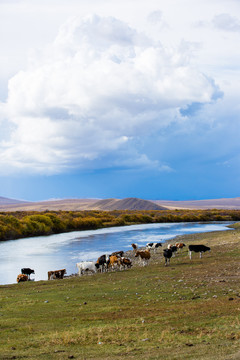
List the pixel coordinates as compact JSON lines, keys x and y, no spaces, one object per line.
{"x":189,"y":310}
{"x":22,"y":224}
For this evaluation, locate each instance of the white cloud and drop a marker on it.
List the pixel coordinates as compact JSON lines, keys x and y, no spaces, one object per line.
{"x":157,"y":18}
{"x":226,"y":22}
{"x":88,"y":94}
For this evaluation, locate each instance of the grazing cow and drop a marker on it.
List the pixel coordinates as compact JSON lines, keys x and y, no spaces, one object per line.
{"x":117,"y":253}
{"x":180,"y":245}
{"x":21,"y":278}
{"x":144,"y":256}
{"x":197,"y":248}
{"x":27,"y":271}
{"x":102,"y":262}
{"x":173,"y":248}
{"x":167,"y":253}
{"x":56,"y":274}
{"x":134,"y":246}
{"x":86,"y":266}
{"x":125,"y":262}
{"x":114,"y":261}
{"x":153,"y":246}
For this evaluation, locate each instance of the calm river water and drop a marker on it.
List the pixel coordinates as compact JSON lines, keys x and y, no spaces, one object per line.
{"x":59,"y":251}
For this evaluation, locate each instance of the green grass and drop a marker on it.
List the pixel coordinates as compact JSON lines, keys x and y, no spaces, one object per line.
{"x":189,"y":310}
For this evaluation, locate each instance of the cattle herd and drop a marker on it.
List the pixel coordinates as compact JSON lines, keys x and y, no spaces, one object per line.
{"x":116,"y":261}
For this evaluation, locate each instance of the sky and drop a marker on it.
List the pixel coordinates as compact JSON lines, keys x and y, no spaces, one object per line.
{"x":110,"y":99}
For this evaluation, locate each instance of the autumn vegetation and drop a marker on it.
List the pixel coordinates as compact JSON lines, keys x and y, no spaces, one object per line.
{"x":19,"y":224}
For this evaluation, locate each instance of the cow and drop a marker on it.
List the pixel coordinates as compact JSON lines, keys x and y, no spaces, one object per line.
{"x":134,"y":246}
{"x":173,"y":248}
{"x":117,"y":253}
{"x":56,"y":274}
{"x":153,"y":246}
{"x":86,"y":266}
{"x":125,"y":262}
{"x":167,"y":253}
{"x":27,"y":271}
{"x":180,"y":245}
{"x":21,"y":278}
{"x":144,"y":255}
{"x":114,"y":262}
{"x":197,"y":248}
{"x":102,"y":262}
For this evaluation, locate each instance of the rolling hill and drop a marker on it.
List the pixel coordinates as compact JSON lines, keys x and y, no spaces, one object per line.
{"x":127,"y":204}
{"x":7,"y":204}
{"x":81,"y":204}
{"x":7,"y":201}
{"x":225,"y":203}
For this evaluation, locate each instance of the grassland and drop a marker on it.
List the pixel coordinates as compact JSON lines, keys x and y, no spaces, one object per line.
{"x":189,"y":310}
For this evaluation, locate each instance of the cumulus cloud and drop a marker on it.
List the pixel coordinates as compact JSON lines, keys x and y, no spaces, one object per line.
{"x":88,"y":95}
{"x":226,"y":22}
{"x":157,"y":18}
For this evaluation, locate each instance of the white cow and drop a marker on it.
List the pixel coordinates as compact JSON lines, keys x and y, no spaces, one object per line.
{"x":153,"y":246}
{"x":86,"y":266}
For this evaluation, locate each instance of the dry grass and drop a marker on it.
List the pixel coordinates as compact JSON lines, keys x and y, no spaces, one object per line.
{"x":189,"y":310}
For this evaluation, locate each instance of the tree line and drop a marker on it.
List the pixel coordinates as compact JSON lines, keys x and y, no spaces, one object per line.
{"x":19,"y":224}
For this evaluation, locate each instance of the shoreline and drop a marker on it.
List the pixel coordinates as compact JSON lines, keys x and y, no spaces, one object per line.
{"x":155,"y":257}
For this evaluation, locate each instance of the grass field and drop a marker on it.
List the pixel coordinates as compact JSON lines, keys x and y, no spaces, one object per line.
{"x":189,"y":310}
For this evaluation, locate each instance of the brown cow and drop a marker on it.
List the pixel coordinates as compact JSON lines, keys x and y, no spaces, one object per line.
{"x":125,"y":262}
{"x":56,"y":274}
{"x":22,"y":277}
{"x":113,"y":261}
{"x":180,"y":245}
{"x":134,"y":246}
{"x":144,"y":255}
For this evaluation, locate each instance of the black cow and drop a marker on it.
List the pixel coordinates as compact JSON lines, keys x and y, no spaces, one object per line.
{"x":27,"y":271}
{"x":198,"y":249}
{"x":102,"y":262}
{"x":117,"y":253}
{"x":174,"y":249}
{"x":167,"y":253}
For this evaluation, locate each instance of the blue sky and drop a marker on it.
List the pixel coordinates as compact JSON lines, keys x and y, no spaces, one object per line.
{"x":104,"y":99}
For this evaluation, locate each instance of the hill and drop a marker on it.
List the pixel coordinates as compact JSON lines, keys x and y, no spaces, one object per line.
{"x":7,"y":201}
{"x":82,"y":204}
{"x":7,"y":204}
{"x":225,"y":203}
{"x":126,"y":204}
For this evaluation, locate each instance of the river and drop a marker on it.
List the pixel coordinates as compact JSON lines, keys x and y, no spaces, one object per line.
{"x":44,"y":253}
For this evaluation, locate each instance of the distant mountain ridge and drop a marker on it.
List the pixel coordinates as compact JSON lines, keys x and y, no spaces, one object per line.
{"x":7,"y":201}
{"x":224,"y":203}
{"x":80,"y":204}
{"x":7,"y":204}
